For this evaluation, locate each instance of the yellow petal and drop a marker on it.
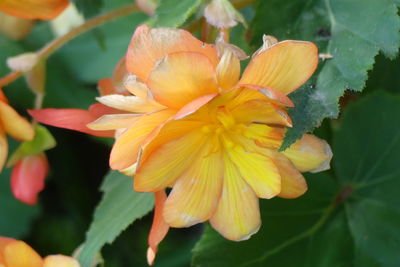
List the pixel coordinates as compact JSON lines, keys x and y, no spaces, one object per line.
{"x":130,"y":103}
{"x":3,"y":149}
{"x":135,"y":87}
{"x":258,"y":171}
{"x":310,"y":154}
{"x":181,"y":78}
{"x":15,"y":125}
{"x":126,"y":148}
{"x":150,"y":45}
{"x":284,"y":67}
{"x":265,"y":136}
{"x":114,"y":121}
{"x":195,"y":195}
{"x":33,"y":9}
{"x":228,"y":70}
{"x":237,"y":216}
{"x":19,"y":254}
{"x":168,"y":162}
{"x":293,"y":183}
{"x":60,"y":261}
{"x":261,"y":111}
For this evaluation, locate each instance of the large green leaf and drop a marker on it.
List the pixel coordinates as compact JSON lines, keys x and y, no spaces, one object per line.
{"x":173,"y":13}
{"x":353,"y":31}
{"x":352,"y":220}
{"x":119,"y":207}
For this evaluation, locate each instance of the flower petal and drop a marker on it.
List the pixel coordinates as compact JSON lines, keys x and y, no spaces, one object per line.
{"x":114,"y":121}
{"x":237,"y":216}
{"x":3,"y":149}
{"x":293,"y":183}
{"x":272,"y":95}
{"x":193,"y":106}
{"x":175,"y":81}
{"x":18,"y":253}
{"x":106,"y":87}
{"x":34,"y":9}
{"x":284,"y":67}
{"x":150,"y":45}
{"x":310,"y":154}
{"x":130,"y":103}
{"x":14,"y":124}
{"x":265,"y":136}
{"x":261,"y":111}
{"x":195,"y":194}
{"x":258,"y":171}
{"x":126,"y":148}
{"x":60,"y":261}
{"x":159,"y":228}
{"x":27,"y":178}
{"x":135,"y":87}
{"x":168,"y":162}
{"x":72,"y":119}
{"x":228,"y":70}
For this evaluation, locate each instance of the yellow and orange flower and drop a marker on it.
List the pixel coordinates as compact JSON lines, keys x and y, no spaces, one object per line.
{"x":193,"y":124}
{"x":13,"y":124}
{"x":16,"y":253}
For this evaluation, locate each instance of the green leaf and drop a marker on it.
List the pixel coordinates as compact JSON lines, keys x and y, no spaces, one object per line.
{"x":348,"y":221}
{"x":353,"y":31}
{"x":173,"y":13}
{"x":119,"y":207}
{"x":42,"y":141}
{"x":89,"y":8}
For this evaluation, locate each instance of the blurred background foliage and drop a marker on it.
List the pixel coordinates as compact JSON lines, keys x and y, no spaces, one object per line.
{"x":350,"y":215}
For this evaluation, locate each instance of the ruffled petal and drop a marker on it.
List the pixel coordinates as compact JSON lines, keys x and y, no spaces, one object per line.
{"x":159,"y":228}
{"x":130,"y":103}
{"x":310,"y":154}
{"x":18,"y":253}
{"x":114,"y":122}
{"x":168,"y":162}
{"x":228,"y":70}
{"x":14,"y":124}
{"x":237,"y":216}
{"x":265,"y":136}
{"x":181,"y":78}
{"x":258,"y":171}
{"x":34,"y":9}
{"x":72,"y":119}
{"x":284,"y":67}
{"x":150,"y":45}
{"x":195,"y":195}
{"x":126,"y":148}
{"x":60,"y":261}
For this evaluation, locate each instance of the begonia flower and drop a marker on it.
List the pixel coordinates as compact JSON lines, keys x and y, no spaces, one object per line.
{"x":16,"y":253}
{"x":194,"y":125}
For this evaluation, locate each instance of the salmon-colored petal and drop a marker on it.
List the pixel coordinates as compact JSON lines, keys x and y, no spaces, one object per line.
{"x":4,"y":241}
{"x":126,"y":148}
{"x":168,"y":162}
{"x":60,"y":261}
{"x":181,"y":78}
{"x":19,"y":254}
{"x":130,"y":103}
{"x":193,"y":106}
{"x":3,"y":98}
{"x":118,"y":77}
{"x":27,"y":178}
{"x":14,"y":124}
{"x":261,"y":111}
{"x":228,"y":70}
{"x":99,"y":110}
{"x":293,"y":183}
{"x":195,"y":194}
{"x":237,"y":216}
{"x":3,"y":148}
{"x":106,"y":87}
{"x":33,"y":9}
{"x":310,"y":154}
{"x":114,"y":122}
{"x":259,"y":171}
{"x":159,"y":228}
{"x":274,"y":96}
{"x":72,"y":119}
{"x":284,"y":67}
{"x":150,"y":45}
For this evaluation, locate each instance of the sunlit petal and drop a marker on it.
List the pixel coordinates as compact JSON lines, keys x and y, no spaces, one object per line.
{"x":14,"y":124}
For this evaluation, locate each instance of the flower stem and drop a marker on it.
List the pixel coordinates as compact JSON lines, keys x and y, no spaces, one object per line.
{"x":57,"y":43}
